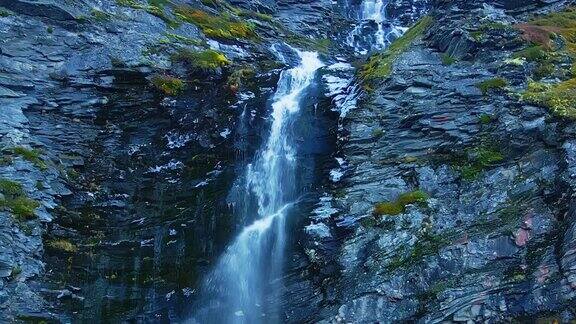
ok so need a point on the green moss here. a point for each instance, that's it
(479, 159)
(447, 59)
(100, 15)
(10, 188)
(31, 155)
(50, 30)
(534, 53)
(62, 245)
(561, 19)
(22, 207)
(184, 40)
(208, 59)
(485, 119)
(5, 12)
(477, 35)
(559, 98)
(168, 85)
(379, 66)
(154, 7)
(239, 77)
(222, 26)
(492, 84)
(399, 205)
(494, 25)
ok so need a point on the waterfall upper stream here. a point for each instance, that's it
(242, 276)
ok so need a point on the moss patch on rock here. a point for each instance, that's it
(168, 85)
(62, 245)
(379, 66)
(16, 200)
(207, 60)
(222, 26)
(398, 206)
(31, 155)
(492, 85)
(559, 98)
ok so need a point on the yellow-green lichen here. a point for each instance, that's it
(398, 206)
(560, 98)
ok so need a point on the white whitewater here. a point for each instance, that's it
(240, 282)
(373, 12)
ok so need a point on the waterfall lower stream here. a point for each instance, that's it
(241, 280)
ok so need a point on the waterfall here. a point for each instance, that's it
(373, 31)
(240, 283)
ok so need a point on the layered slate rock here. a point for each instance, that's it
(493, 241)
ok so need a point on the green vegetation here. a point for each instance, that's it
(447, 59)
(100, 15)
(62, 245)
(168, 85)
(154, 7)
(239, 77)
(15, 199)
(535, 53)
(479, 159)
(477, 35)
(485, 119)
(5, 12)
(492, 84)
(50, 30)
(222, 26)
(379, 66)
(31, 155)
(10, 188)
(208, 59)
(560, 98)
(399, 205)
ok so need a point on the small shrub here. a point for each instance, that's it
(4, 12)
(168, 85)
(399, 205)
(492, 84)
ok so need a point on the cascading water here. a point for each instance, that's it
(373, 31)
(241, 281)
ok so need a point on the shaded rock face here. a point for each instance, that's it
(134, 187)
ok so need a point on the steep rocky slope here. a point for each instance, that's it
(463, 188)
